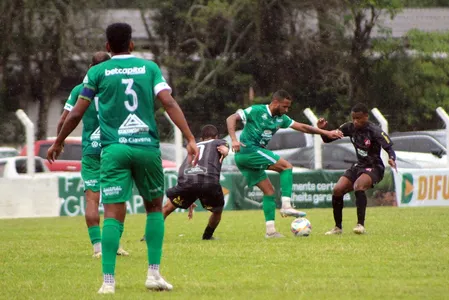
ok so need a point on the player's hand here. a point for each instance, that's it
(321, 123)
(191, 208)
(192, 153)
(236, 146)
(335, 134)
(392, 164)
(54, 152)
(223, 151)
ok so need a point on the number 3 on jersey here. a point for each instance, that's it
(129, 91)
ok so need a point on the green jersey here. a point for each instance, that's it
(260, 126)
(127, 87)
(91, 127)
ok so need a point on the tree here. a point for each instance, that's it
(41, 38)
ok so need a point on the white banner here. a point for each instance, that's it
(422, 187)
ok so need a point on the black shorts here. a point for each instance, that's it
(210, 195)
(376, 173)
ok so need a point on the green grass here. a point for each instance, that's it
(404, 255)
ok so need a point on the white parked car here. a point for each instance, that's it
(16, 166)
(8, 152)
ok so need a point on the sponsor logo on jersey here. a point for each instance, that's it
(125, 71)
(95, 136)
(195, 170)
(362, 152)
(132, 125)
(95, 144)
(123, 140)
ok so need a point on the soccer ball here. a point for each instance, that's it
(301, 227)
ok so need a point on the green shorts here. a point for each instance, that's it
(253, 164)
(121, 164)
(90, 172)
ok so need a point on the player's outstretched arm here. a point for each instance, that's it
(70, 123)
(231, 123)
(177, 116)
(333, 134)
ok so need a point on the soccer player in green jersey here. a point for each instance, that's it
(127, 87)
(261, 122)
(90, 162)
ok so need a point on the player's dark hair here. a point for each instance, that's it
(360, 107)
(209, 132)
(100, 57)
(119, 36)
(281, 95)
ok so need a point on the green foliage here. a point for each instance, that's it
(413, 79)
(426, 3)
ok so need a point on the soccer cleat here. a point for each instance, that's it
(143, 239)
(157, 283)
(212, 238)
(97, 255)
(273, 235)
(291, 212)
(122, 252)
(107, 289)
(334, 230)
(359, 229)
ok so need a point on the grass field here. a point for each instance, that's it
(404, 255)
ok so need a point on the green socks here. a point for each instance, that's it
(94, 234)
(109, 244)
(286, 178)
(154, 234)
(269, 207)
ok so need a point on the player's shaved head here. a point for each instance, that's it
(100, 57)
(209, 132)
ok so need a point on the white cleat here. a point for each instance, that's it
(107, 289)
(334, 230)
(157, 283)
(291, 212)
(97, 255)
(273, 235)
(122, 252)
(359, 229)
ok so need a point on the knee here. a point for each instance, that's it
(338, 191)
(288, 166)
(360, 186)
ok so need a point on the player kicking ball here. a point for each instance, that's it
(201, 182)
(261, 122)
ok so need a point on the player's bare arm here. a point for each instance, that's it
(61, 121)
(231, 123)
(333, 134)
(177, 116)
(70, 123)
